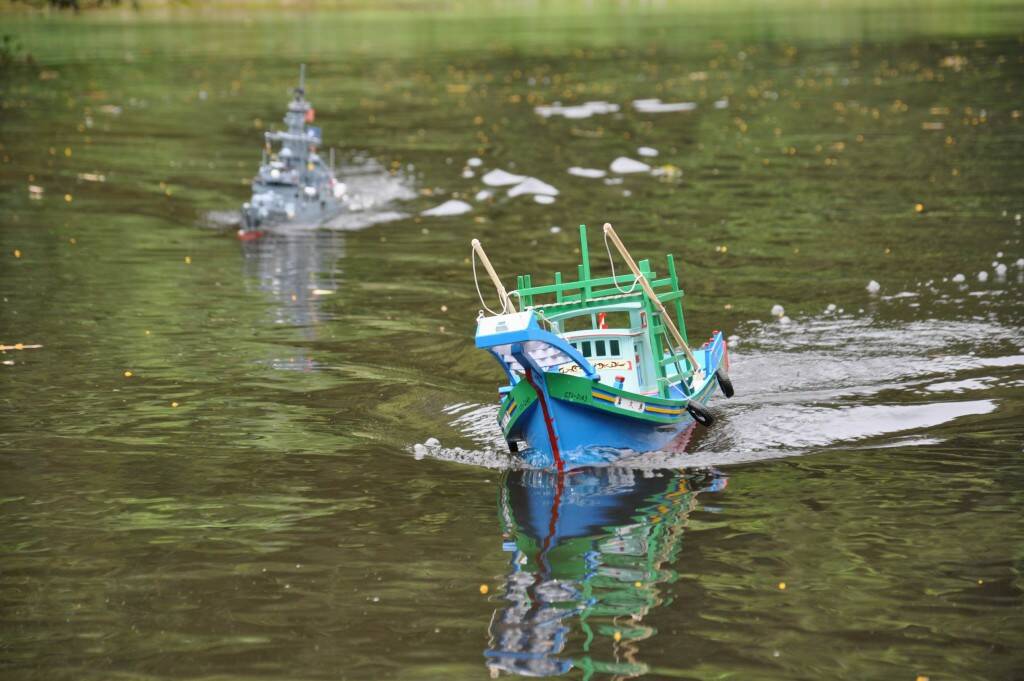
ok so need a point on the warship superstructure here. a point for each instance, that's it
(294, 184)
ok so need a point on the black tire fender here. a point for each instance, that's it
(724, 382)
(700, 414)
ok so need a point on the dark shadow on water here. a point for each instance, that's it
(592, 552)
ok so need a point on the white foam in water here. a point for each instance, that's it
(372, 194)
(501, 178)
(647, 151)
(778, 310)
(532, 185)
(1000, 270)
(450, 207)
(623, 165)
(544, 199)
(722, 103)
(1020, 263)
(873, 286)
(658, 106)
(474, 162)
(585, 110)
(983, 276)
(587, 172)
(483, 195)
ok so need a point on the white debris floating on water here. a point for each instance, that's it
(545, 199)
(778, 310)
(467, 173)
(587, 172)
(483, 195)
(585, 110)
(532, 185)
(623, 165)
(649, 152)
(474, 162)
(873, 286)
(959, 278)
(983, 276)
(658, 106)
(1000, 270)
(1020, 263)
(722, 103)
(452, 207)
(501, 178)
(831, 308)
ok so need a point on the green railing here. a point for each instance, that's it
(592, 293)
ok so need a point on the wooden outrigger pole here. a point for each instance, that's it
(665, 317)
(506, 302)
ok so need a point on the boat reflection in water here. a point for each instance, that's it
(299, 271)
(592, 551)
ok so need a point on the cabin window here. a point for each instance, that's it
(586, 348)
(599, 349)
(613, 348)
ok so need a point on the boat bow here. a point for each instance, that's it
(518, 342)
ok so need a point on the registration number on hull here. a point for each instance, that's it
(631, 405)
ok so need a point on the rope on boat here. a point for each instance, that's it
(611, 261)
(506, 304)
(666, 318)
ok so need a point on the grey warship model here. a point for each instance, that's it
(294, 185)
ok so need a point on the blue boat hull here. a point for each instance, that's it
(580, 435)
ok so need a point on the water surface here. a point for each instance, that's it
(247, 502)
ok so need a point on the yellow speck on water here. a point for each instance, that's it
(174, 405)
(294, 297)
(922, 677)
(617, 636)
(147, 332)
(918, 207)
(981, 581)
(484, 588)
(782, 586)
(19, 346)
(727, 306)
(67, 151)
(17, 253)
(444, 308)
(68, 198)
(188, 259)
(128, 374)
(72, 241)
(638, 584)
(796, 251)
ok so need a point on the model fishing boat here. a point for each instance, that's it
(294, 184)
(598, 368)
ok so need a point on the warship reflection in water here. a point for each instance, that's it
(293, 184)
(592, 549)
(299, 272)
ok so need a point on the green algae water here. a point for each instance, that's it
(278, 458)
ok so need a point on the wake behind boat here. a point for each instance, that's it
(597, 368)
(293, 184)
